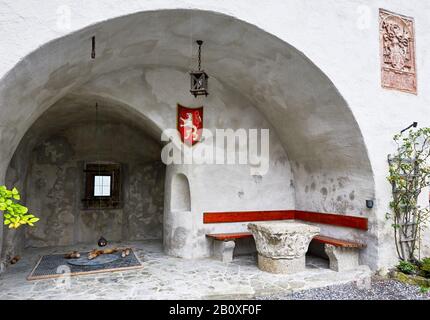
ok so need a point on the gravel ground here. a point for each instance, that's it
(379, 290)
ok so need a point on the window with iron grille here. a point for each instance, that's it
(102, 186)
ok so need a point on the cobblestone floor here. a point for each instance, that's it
(165, 277)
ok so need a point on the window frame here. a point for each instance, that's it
(90, 201)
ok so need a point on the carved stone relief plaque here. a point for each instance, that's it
(397, 41)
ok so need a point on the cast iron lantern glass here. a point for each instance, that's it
(199, 83)
(199, 78)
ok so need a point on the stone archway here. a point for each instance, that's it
(51, 166)
(318, 156)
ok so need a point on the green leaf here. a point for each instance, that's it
(15, 214)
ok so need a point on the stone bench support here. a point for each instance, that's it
(223, 250)
(342, 258)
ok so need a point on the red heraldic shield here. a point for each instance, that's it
(190, 124)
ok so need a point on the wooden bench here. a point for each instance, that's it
(343, 254)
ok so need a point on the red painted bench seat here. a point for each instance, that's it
(229, 236)
(320, 238)
(338, 242)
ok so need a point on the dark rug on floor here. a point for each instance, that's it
(55, 265)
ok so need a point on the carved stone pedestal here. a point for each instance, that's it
(282, 245)
(281, 265)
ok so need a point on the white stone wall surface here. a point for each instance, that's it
(309, 70)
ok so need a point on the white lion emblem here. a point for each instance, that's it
(190, 128)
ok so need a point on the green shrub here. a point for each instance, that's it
(406, 267)
(15, 214)
(424, 289)
(425, 267)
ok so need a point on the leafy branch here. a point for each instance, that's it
(15, 214)
(409, 174)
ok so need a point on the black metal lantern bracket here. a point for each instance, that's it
(199, 78)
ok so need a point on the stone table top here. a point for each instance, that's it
(283, 226)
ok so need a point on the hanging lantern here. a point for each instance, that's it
(199, 78)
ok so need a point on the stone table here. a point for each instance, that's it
(282, 245)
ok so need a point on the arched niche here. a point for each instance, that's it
(180, 193)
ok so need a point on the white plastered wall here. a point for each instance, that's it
(341, 38)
